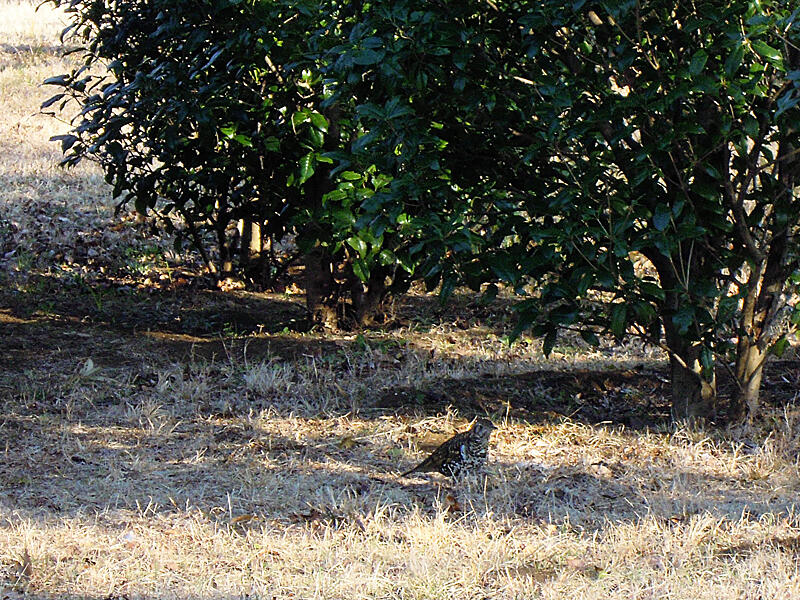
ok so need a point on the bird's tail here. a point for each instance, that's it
(409, 472)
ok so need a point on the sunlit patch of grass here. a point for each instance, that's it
(233, 476)
(26, 23)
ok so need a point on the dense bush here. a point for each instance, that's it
(213, 111)
(430, 90)
(668, 132)
(631, 167)
(183, 117)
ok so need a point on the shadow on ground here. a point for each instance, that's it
(56, 321)
(73, 456)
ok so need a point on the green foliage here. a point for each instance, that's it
(208, 110)
(627, 167)
(660, 133)
(422, 85)
(630, 167)
(215, 112)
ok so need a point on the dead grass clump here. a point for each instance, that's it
(156, 493)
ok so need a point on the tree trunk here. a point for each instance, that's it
(766, 308)
(226, 246)
(762, 324)
(250, 247)
(750, 360)
(694, 396)
(368, 298)
(321, 291)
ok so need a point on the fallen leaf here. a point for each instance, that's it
(452, 504)
(584, 567)
(576, 564)
(601, 469)
(242, 519)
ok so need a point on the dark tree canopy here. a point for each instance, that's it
(668, 132)
(631, 167)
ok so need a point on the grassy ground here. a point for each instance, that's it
(160, 439)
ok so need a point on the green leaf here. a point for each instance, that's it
(771, 54)
(712, 171)
(585, 282)
(50, 101)
(368, 56)
(619, 314)
(734, 60)
(272, 144)
(698, 62)
(504, 267)
(306, 167)
(707, 360)
(67, 141)
(750, 126)
(300, 117)
(644, 312)
(779, 347)
(653, 290)
(786, 102)
(361, 270)
(590, 337)
(61, 80)
(387, 257)
(549, 342)
(662, 217)
(213, 59)
(316, 136)
(358, 245)
(320, 122)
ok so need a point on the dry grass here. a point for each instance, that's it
(264, 465)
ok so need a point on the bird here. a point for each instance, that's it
(465, 451)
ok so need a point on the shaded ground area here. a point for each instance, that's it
(55, 321)
(144, 411)
(637, 397)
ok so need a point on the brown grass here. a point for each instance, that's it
(156, 443)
